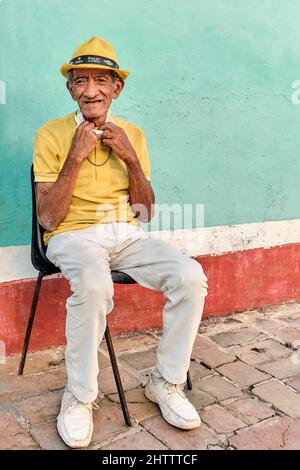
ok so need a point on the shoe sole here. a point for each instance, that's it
(185, 428)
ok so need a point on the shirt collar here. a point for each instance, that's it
(79, 118)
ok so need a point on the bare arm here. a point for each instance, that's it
(53, 199)
(141, 195)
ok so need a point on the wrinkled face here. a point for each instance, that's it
(94, 90)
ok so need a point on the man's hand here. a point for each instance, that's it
(83, 142)
(116, 138)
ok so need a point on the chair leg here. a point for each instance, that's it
(30, 321)
(117, 376)
(189, 381)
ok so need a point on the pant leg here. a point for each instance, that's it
(157, 265)
(86, 266)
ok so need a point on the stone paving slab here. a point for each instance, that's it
(12, 435)
(47, 437)
(281, 368)
(221, 420)
(108, 386)
(280, 396)
(13, 386)
(219, 387)
(133, 342)
(139, 441)
(291, 320)
(198, 371)
(241, 336)
(242, 373)
(251, 410)
(177, 439)
(246, 388)
(138, 360)
(264, 324)
(278, 433)
(260, 351)
(211, 354)
(288, 335)
(139, 406)
(45, 408)
(199, 398)
(108, 423)
(295, 383)
(36, 361)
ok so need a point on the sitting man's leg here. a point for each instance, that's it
(157, 265)
(85, 264)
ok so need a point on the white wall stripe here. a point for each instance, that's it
(15, 263)
(15, 260)
(232, 238)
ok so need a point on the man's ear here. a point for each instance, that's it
(70, 88)
(119, 85)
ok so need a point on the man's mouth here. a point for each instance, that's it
(92, 101)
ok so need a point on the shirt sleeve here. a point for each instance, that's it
(144, 157)
(45, 160)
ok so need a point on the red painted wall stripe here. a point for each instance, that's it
(237, 281)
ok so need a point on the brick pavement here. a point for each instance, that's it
(246, 375)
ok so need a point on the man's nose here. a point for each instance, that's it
(91, 89)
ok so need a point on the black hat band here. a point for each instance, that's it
(94, 59)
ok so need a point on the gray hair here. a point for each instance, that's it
(70, 76)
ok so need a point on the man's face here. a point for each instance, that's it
(94, 90)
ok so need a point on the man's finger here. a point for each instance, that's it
(106, 142)
(107, 134)
(108, 125)
(85, 124)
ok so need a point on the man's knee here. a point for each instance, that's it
(93, 286)
(192, 278)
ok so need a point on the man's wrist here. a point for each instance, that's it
(75, 158)
(130, 158)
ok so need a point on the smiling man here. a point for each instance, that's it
(92, 176)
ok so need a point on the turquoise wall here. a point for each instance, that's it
(211, 86)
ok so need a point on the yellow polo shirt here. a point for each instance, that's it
(101, 193)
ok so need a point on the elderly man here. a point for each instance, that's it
(92, 177)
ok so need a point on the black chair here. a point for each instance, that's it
(46, 268)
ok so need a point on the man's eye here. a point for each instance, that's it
(80, 81)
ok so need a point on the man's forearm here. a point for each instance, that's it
(140, 192)
(55, 203)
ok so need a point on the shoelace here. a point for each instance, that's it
(176, 388)
(73, 403)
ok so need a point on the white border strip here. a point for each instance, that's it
(232, 238)
(16, 263)
(15, 260)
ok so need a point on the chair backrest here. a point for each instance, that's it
(38, 248)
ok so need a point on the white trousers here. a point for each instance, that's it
(86, 258)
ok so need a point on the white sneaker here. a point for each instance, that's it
(174, 405)
(75, 421)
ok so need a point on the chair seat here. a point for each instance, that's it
(122, 278)
(117, 276)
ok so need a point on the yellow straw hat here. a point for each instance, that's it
(96, 54)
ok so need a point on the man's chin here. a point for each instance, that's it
(93, 114)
